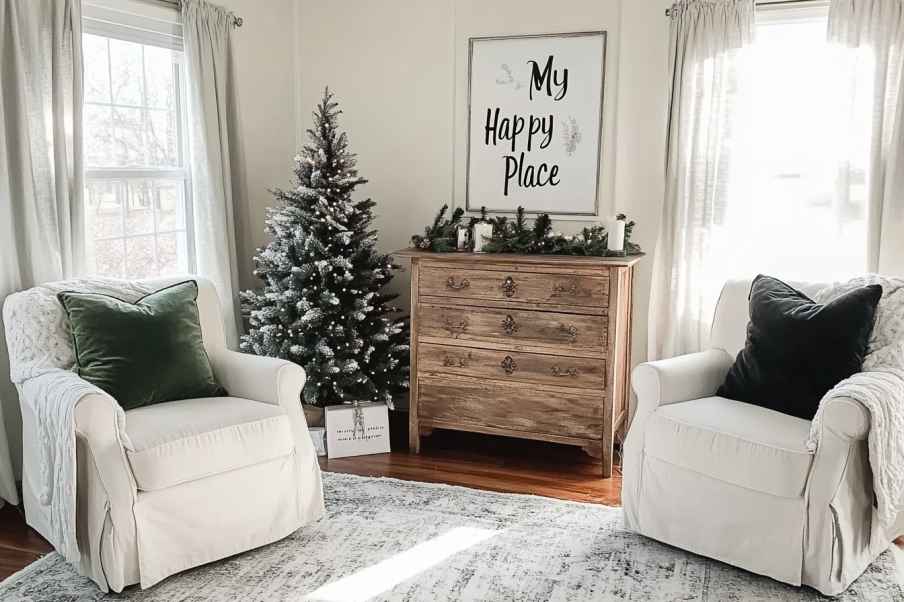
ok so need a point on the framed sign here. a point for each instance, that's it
(535, 112)
(357, 430)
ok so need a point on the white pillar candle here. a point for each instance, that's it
(483, 232)
(616, 228)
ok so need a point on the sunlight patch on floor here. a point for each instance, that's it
(386, 574)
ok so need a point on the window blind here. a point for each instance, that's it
(134, 21)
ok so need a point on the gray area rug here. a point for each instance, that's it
(385, 539)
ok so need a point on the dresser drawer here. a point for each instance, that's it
(525, 409)
(536, 368)
(533, 287)
(570, 332)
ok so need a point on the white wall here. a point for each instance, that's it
(391, 67)
(398, 69)
(641, 131)
(264, 53)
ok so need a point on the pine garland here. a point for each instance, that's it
(517, 236)
(321, 304)
(442, 235)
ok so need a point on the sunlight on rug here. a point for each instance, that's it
(383, 576)
(384, 539)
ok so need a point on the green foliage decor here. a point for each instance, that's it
(518, 236)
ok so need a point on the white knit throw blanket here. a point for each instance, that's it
(880, 388)
(42, 360)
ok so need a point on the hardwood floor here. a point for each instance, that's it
(493, 463)
(20, 545)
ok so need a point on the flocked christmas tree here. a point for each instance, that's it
(321, 305)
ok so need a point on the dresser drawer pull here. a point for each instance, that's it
(450, 283)
(509, 286)
(556, 371)
(569, 330)
(509, 325)
(455, 328)
(508, 364)
(456, 362)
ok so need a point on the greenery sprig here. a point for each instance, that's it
(516, 235)
(442, 235)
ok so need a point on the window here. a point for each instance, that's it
(796, 206)
(137, 191)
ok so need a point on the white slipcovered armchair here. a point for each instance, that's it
(198, 479)
(736, 482)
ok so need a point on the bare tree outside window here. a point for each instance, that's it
(137, 192)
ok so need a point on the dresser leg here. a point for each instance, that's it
(598, 452)
(414, 436)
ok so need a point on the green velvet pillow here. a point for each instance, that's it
(145, 352)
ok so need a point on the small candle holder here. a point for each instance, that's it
(463, 239)
(483, 232)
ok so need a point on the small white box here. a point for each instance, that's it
(318, 437)
(357, 431)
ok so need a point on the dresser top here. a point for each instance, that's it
(512, 257)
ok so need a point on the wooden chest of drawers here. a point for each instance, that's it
(523, 346)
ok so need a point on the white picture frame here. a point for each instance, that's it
(346, 436)
(551, 87)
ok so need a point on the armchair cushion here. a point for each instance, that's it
(798, 349)
(181, 441)
(735, 442)
(145, 352)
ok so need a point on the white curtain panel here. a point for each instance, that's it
(870, 36)
(41, 182)
(707, 38)
(207, 31)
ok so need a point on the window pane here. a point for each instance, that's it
(128, 144)
(159, 64)
(127, 72)
(99, 147)
(103, 204)
(172, 253)
(97, 74)
(108, 257)
(140, 208)
(140, 261)
(162, 139)
(170, 205)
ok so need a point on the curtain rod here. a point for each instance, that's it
(668, 11)
(236, 20)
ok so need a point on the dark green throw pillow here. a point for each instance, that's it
(145, 352)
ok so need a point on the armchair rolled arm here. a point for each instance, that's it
(267, 379)
(97, 424)
(680, 378)
(846, 417)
